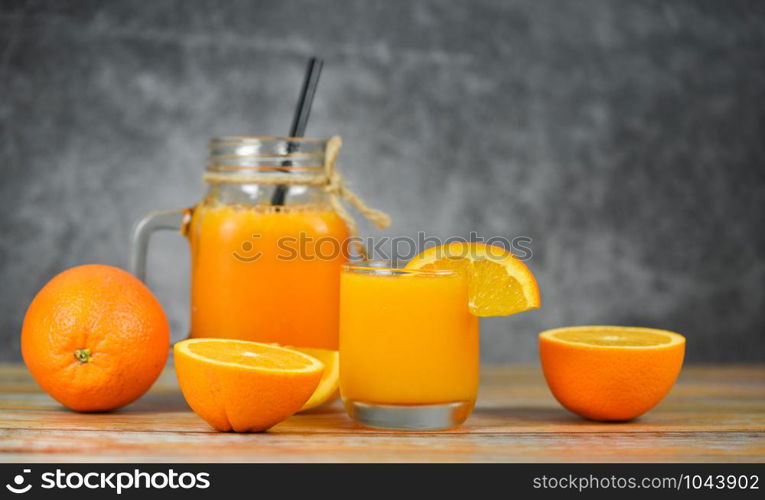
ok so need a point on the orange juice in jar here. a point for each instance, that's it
(252, 280)
(265, 256)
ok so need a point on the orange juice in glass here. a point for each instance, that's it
(260, 271)
(409, 355)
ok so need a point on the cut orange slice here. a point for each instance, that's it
(244, 386)
(499, 283)
(329, 385)
(610, 372)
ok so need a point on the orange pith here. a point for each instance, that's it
(613, 338)
(250, 355)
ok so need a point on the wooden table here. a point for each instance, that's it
(714, 413)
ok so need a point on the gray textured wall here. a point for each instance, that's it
(625, 138)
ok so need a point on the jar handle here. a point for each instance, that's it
(161, 220)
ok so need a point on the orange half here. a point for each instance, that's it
(244, 386)
(610, 372)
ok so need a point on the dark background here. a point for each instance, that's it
(624, 138)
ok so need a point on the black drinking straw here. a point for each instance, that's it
(300, 119)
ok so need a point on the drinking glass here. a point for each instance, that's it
(408, 347)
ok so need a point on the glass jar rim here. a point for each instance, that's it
(267, 138)
(231, 154)
(390, 268)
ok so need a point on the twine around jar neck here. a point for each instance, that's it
(331, 181)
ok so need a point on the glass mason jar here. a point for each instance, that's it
(265, 256)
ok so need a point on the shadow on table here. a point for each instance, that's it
(525, 416)
(167, 402)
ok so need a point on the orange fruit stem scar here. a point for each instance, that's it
(82, 355)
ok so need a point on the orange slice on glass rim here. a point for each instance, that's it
(499, 283)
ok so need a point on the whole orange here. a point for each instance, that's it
(95, 338)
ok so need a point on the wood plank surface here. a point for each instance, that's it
(714, 413)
